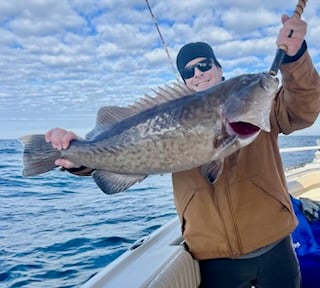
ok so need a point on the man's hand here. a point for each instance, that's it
(60, 139)
(297, 28)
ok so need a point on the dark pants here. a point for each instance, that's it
(278, 268)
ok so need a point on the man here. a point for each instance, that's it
(239, 228)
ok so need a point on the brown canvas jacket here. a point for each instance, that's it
(249, 206)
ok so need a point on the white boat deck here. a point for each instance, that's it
(305, 181)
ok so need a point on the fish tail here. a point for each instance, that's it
(38, 155)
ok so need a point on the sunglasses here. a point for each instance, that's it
(203, 66)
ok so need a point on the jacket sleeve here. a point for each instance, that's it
(297, 103)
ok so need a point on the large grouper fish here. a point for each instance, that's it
(175, 130)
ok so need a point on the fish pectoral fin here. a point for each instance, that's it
(111, 183)
(212, 170)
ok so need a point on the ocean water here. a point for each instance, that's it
(57, 230)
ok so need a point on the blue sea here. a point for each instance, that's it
(57, 230)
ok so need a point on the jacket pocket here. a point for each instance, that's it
(275, 189)
(202, 226)
(262, 212)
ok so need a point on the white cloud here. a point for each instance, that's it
(64, 60)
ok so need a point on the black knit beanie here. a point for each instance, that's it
(194, 50)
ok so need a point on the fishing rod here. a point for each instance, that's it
(154, 19)
(283, 48)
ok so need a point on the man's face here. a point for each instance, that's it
(203, 80)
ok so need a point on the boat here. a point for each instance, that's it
(160, 260)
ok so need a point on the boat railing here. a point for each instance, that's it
(316, 157)
(297, 149)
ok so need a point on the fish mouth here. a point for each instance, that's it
(242, 129)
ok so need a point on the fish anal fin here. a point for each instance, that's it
(112, 183)
(212, 170)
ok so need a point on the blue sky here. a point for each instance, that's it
(62, 60)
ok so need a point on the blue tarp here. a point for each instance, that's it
(306, 241)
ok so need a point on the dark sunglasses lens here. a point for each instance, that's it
(203, 66)
(188, 72)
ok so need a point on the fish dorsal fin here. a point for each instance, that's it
(108, 116)
(113, 114)
(162, 95)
